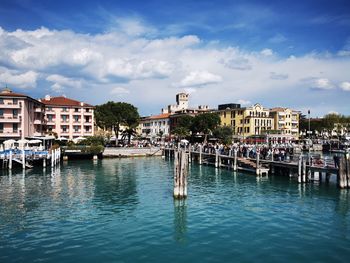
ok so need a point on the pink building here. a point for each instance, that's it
(68, 118)
(20, 116)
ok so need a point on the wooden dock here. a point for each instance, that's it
(303, 168)
(28, 159)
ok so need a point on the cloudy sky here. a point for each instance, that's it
(277, 53)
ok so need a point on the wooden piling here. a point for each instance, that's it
(200, 154)
(300, 162)
(235, 160)
(23, 159)
(257, 163)
(10, 160)
(180, 174)
(304, 171)
(342, 173)
(216, 159)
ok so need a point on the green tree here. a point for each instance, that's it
(181, 132)
(224, 134)
(112, 115)
(205, 123)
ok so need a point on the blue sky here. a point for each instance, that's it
(277, 53)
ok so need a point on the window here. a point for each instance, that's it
(87, 119)
(87, 129)
(49, 108)
(15, 113)
(50, 117)
(1, 127)
(15, 101)
(1, 113)
(65, 109)
(224, 114)
(87, 110)
(76, 118)
(15, 127)
(1, 101)
(64, 118)
(64, 128)
(76, 110)
(76, 128)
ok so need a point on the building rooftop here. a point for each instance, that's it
(9, 93)
(63, 101)
(160, 116)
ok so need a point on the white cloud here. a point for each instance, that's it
(244, 102)
(277, 39)
(345, 86)
(119, 90)
(278, 76)
(89, 67)
(200, 78)
(266, 52)
(62, 81)
(322, 84)
(21, 80)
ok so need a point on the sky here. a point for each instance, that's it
(292, 54)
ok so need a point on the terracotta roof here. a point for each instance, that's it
(160, 116)
(278, 109)
(63, 101)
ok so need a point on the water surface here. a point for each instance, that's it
(122, 210)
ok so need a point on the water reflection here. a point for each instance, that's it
(116, 186)
(180, 220)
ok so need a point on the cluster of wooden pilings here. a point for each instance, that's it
(304, 168)
(344, 172)
(180, 174)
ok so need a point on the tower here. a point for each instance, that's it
(182, 100)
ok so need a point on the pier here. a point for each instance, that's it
(304, 168)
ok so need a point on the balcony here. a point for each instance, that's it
(8, 119)
(9, 133)
(281, 114)
(295, 121)
(38, 121)
(88, 113)
(87, 123)
(281, 122)
(10, 105)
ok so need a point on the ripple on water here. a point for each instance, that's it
(123, 210)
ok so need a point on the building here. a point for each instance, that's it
(153, 126)
(68, 118)
(247, 121)
(181, 104)
(20, 116)
(286, 121)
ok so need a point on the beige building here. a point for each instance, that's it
(20, 116)
(286, 121)
(68, 118)
(247, 121)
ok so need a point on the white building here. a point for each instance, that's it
(181, 104)
(153, 126)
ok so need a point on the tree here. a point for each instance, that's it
(112, 115)
(181, 132)
(205, 123)
(224, 134)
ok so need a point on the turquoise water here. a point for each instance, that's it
(122, 210)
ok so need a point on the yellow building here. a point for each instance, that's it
(247, 121)
(286, 121)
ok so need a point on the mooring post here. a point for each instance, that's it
(180, 174)
(189, 153)
(229, 159)
(235, 160)
(52, 158)
(44, 161)
(347, 160)
(10, 160)
(341, 177)
(304, 171)
(257, 163)
(328, 175)
(300, 162)
(23, 159)
(200, 154)
(216, 158)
